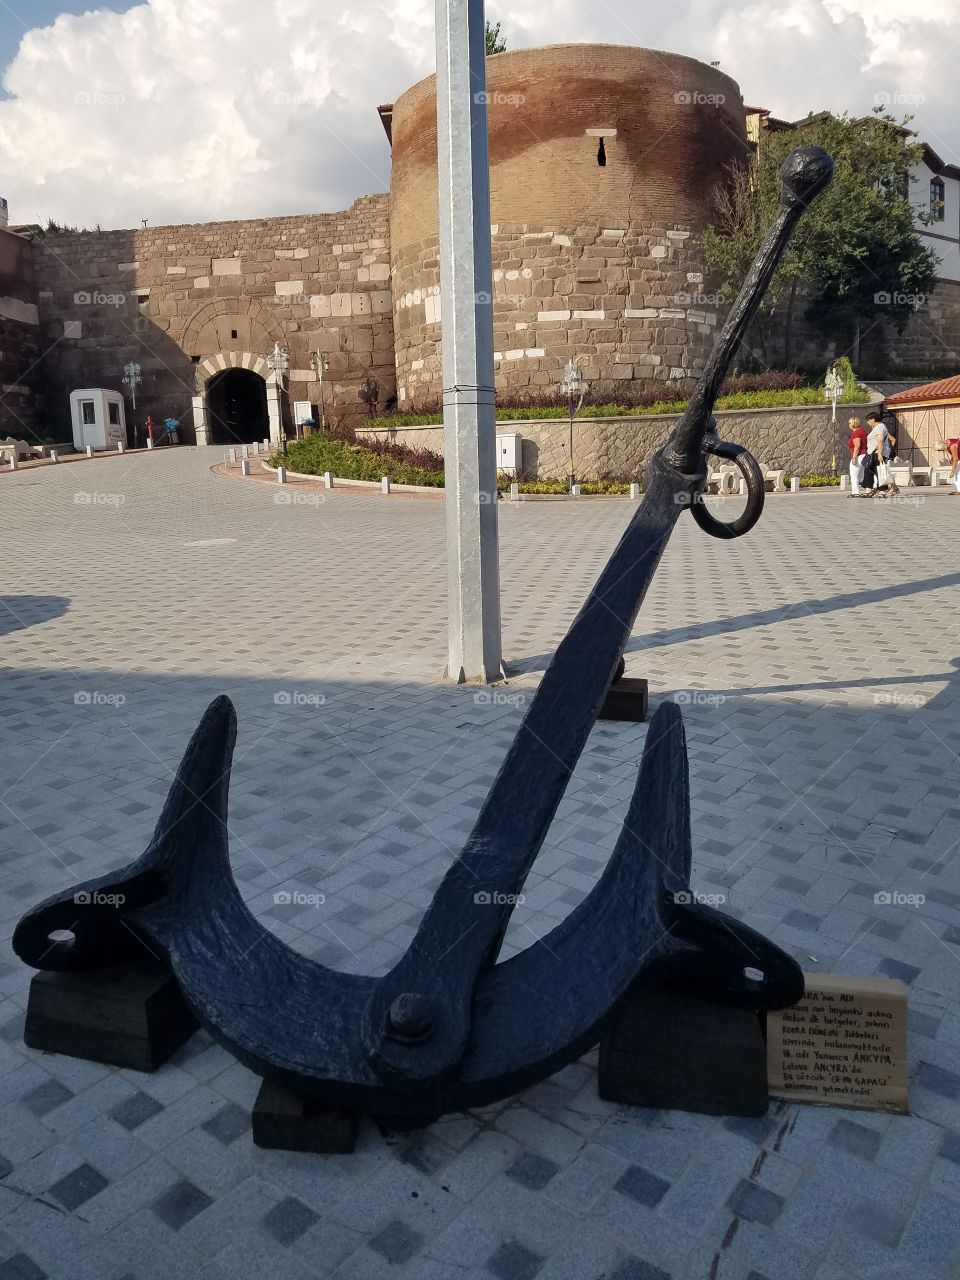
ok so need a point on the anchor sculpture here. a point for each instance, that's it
(448, 1027)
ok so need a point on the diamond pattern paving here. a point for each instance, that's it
(821, 704)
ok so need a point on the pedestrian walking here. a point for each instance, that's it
(881, 446)
(857, 444)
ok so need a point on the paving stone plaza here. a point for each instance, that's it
(817, 664)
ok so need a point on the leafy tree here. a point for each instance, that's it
(496, 43)
(857, 257)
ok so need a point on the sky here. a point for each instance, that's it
(191, 110)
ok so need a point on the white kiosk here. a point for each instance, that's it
(98, 418)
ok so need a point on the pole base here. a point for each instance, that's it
(671, 1051)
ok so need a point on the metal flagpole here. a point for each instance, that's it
(469, 413)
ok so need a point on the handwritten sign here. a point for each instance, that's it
(844, 1043)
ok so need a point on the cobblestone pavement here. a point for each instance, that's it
(818, 663)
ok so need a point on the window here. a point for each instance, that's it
(88, 413)
(113, 409)
(938, 197)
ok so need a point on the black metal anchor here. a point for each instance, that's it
(448, 1027)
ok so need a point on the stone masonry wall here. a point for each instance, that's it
(802, 441)
(20, 404)
(628, 301)
(604, 165)
(167, 297)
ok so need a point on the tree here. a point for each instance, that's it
(496, 43)
(857, 257)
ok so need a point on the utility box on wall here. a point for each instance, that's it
(98, 418)
(509, 453)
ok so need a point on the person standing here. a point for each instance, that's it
(881, 446)
(857, 444)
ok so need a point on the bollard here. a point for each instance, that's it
(233, 455)
(245, 451)
(742, 487)
(514, 493)
(844, 483)
(245, 467)
(574, 491)
(281, 475)
(14, 461)
(149, 442)
(794, 484)
(89, 450)
(934, 479)
(328, 479)
(634, 492)
(266, 446)
(54, 456)
(384, 484)
(121, 447)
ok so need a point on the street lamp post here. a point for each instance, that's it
(320, 364)
(466, 288)
(572, 387)
(132, 377)
(279, 362)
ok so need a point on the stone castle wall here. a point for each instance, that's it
(802, 441)
(20, 403)
(169, 297)
(589, 260)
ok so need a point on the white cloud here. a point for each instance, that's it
(184, 110)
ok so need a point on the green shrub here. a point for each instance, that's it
(855, 393)
(321, 452)
(819, 482)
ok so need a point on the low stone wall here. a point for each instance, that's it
(802, 440)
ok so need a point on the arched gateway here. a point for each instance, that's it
(237, 400)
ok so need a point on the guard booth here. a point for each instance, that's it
(98, 418)
(927, 416)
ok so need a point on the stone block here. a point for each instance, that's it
(226, 267)
(127, 1016)
(671, 1051)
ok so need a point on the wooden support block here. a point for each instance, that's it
(286, 1121)
(127, 1016)
(671, 1051)
(627, 700)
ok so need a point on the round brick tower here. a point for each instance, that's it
(604, 163)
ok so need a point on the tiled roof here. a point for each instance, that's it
(945, 389)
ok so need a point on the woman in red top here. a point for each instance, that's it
(857, 444)
(952, 449)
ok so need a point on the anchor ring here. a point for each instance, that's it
(749, 468)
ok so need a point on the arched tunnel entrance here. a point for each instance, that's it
(237, 408)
